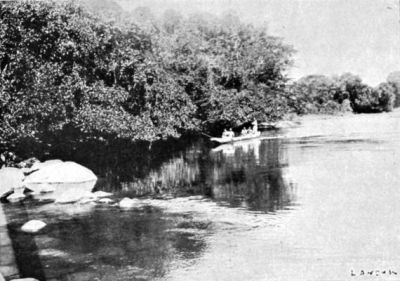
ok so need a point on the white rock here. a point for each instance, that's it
(33, 226)
(60, 172)
(106, 201)
(69, 181)
(101, 194)
(127, 203)
(16, 197)
(10, 178)
(40, 165)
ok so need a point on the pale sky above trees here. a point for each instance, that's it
(331, 36)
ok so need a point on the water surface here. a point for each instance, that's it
(320, 202)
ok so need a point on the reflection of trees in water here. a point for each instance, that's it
(136, 167)
(247, 173)
(177, 175)
(108, 242)
(252, 176)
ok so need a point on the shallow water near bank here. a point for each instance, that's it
(319, 202)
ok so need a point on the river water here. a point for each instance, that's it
(320, 201)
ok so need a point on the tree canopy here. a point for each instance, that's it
(67, 73)
(66, 69)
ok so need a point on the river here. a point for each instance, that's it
(320, 201)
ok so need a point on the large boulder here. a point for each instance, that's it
(69, 180)
(11, 178)
(37, 165)
(16, 197)
(40, 165)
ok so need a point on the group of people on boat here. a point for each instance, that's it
(245, 131)
(228, 134)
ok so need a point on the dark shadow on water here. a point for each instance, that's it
(106, 243)
(24, 245)
(247, 174)
(251, 175)
(103, 243)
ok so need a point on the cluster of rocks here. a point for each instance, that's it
(61, 182)
(65, 181)
(35, 226)
(101, 197)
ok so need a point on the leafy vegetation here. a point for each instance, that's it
(68, 75)
(321, 94)
(394, 80)
(67, 72)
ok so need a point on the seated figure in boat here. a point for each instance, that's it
(244, 132)
(255, 126)
(228, 134)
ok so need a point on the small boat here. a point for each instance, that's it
(245, 145)
(230, 139)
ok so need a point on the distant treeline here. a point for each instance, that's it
(68, 74)
(347, 92)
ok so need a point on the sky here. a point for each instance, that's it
(330, 36)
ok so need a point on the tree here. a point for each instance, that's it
(69, 74)
(65, 69)
(314, 94)
(385, 93)
(365, 99)
(232, 73)
(394, 79)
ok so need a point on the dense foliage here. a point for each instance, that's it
(232, 72)
(63, 69)
(68, 75)
(394, 80)
(321, 94)
(67, 72)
